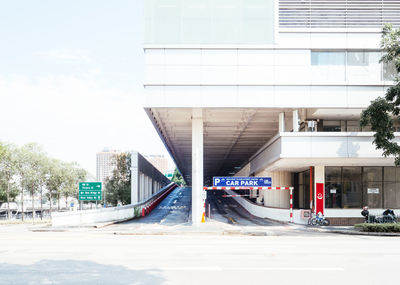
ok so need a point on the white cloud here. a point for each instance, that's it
(73, 117)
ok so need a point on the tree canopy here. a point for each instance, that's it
(118, 186)
(28, 169)
(177, 178)
(383, 113)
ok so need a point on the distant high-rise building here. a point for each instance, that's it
(159, 161)
(105, 164)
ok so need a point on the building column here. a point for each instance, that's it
(296, 121)
(134, 178)
(197, 166)
(319, 187)
(281, 122)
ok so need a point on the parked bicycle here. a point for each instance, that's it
(319, 220)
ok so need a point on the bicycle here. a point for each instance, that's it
(321, 221)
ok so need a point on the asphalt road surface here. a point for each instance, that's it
(90, 257)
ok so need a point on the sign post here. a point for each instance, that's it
(90, 191)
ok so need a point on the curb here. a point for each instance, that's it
(357, 233)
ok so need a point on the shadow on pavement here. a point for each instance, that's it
(75, 272)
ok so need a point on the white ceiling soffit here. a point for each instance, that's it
(231, 136)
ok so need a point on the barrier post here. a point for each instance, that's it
(291, 204)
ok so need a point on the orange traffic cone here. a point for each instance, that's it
(203, 220)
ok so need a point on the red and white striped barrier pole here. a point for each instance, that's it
(291, 204)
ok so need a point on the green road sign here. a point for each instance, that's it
(90, 191)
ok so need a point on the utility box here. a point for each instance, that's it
(305, 214)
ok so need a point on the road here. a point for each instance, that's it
(83, 256)
(175, 209)
(226, 209)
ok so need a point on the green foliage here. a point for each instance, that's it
(177, 178)
(382, 112)
(29, 169)
(118, 186)
(381, 228)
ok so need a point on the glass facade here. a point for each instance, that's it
(350, 66)
(209, 21)
(354, 187)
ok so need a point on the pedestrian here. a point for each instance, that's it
(365, 213)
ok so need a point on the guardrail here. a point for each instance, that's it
(112, 214)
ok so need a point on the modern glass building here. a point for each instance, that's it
(273, 88)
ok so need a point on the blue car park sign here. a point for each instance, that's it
(242, 181)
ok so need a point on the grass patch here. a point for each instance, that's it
(379, 228)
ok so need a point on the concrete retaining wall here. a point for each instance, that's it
(76, 218)
(277, 214)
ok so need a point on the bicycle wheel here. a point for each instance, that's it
(313, 222)
(326, 222)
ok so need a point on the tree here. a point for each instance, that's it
(72, 176)
(383, 112)
(54, 179)
(8, 171)
(177, 178)
(118, 186)
(32, 158)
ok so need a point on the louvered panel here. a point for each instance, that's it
(338, 13)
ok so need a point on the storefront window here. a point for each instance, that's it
(352, 187)
(391, 187)
(372, 174)
(333, 195)
(333, 187)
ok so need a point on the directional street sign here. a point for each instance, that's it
(90, 191)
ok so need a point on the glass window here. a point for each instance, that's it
(328, 66)
(333, 195)
(327, 58)
(372, 194)
(333, 174)
(372, 174)
(352, 194)
(352, 173)
(391, 195)
(389, 174)
(362, 66)
(389, 71)
(210, 22)
(331, 126)
(353, 126)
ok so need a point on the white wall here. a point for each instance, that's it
(310, 147)
(282, 215)
(276, 198)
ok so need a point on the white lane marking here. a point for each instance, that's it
(218, 268)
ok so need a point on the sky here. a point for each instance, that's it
(71, 76)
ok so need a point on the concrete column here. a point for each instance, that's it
(281, 122)
(134, 178)
(197, 166)
(296, 121)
